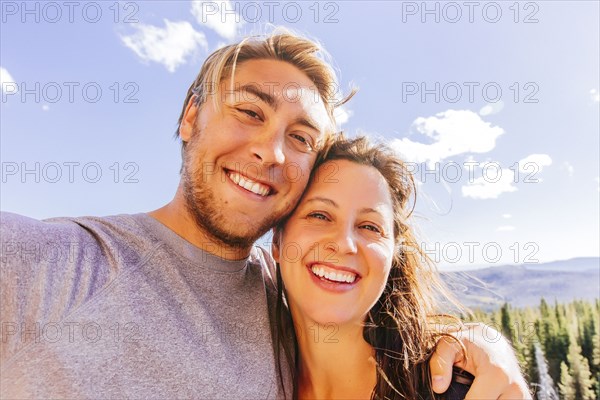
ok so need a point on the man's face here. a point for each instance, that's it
(247, 164)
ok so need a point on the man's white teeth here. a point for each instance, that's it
(248, 184)
(344, 277)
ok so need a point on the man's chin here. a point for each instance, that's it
(240, 234)
(226, 224)
(244, 232)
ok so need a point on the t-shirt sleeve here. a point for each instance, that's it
(47, 268)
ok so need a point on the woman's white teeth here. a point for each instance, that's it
(345, 277)
(254, 187)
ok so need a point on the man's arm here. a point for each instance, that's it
(493, 363)
(47, 269)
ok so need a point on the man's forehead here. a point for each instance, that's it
(273, 93)
(311, 102)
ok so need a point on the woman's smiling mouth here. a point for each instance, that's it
(333, 277)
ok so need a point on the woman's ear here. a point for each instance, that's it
(186, 128)
(275, 245)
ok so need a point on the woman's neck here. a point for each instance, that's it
(335, 361)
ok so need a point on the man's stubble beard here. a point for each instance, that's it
(202, 205)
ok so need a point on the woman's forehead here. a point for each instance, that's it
(349, 182)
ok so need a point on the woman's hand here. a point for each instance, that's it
(490, 358)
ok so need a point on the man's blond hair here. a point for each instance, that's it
(306, 55)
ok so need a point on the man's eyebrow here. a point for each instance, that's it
(256, 91)
(307, 122)
(274, 104)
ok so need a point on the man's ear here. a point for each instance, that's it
(275, 244)
(186, 128)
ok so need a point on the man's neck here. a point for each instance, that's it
(335, 361)
(176, 217)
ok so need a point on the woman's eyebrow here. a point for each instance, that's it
(323, 200)
(369, 210)
(364, 210)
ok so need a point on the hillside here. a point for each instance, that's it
(524, 285)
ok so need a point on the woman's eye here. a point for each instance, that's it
(371, 227)
(318, 215)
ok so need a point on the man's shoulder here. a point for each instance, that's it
(20, 226)
(15, 227)
(67, 259)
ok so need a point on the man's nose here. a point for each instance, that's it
(267, 147)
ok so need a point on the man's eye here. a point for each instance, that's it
(250, 113)
(301, 140)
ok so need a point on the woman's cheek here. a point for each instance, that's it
(382, 255)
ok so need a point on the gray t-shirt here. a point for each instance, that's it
(122, 307)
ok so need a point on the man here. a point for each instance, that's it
(174, 303)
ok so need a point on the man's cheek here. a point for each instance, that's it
(296, 173)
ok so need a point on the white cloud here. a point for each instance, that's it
(342, 115)
(7, 83)
(219, 16)
(597, 179)
(486, 187)
(45, 107)
(452, 132)
(539, 160)
(491, 108)
(220, 45)
(505, 228)
(506, 216)
(595, 95)
(170, 46)
(567, 166)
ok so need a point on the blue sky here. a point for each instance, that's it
(494, 104)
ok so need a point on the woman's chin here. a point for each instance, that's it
(330, 319)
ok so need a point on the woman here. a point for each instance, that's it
(360, 296)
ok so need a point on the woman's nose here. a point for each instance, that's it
(343, 241)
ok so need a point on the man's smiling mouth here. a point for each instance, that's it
(249, 184)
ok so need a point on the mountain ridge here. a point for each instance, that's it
(524, 285)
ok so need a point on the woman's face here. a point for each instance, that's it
(336, 249)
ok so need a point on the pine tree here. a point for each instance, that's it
(532, 371)
(555, 339)
(522, 332)
(595, 364)
(569, 335)
(507, 323)
(566, 384)
(544, 309)
(596, 352)
(556, 344)
(587, 331)
(579, 384)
